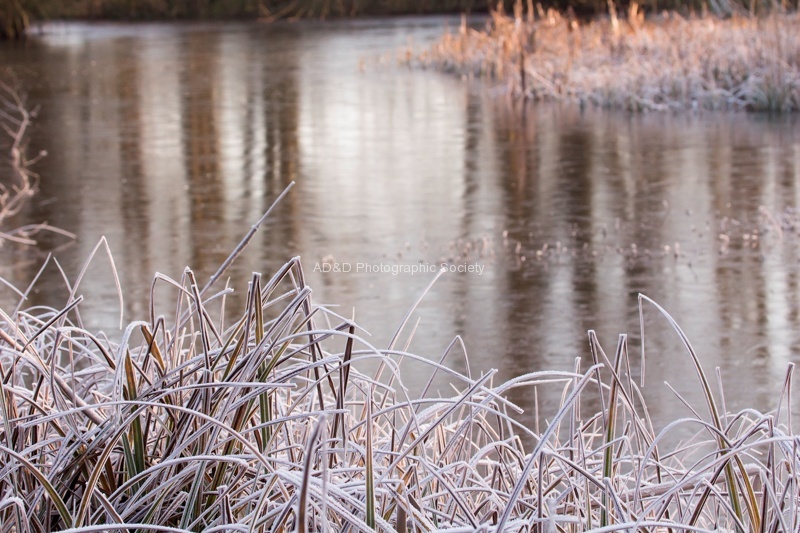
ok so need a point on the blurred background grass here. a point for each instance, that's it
(16, 15)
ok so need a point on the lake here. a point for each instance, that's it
(171, 140)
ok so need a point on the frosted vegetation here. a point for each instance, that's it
(258, 419)
(662, 62)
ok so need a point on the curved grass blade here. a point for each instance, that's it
(733, 492)
(302, 501)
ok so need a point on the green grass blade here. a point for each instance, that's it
(369, 477)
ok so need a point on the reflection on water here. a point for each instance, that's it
(171, 140)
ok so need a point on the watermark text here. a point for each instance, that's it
(410, 269)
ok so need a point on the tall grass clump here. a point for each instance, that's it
(662, 62)
(259, 419)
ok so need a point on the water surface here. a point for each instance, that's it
(171, 139)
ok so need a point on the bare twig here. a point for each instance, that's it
(21, 183)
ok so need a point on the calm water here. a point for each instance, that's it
(171, 140)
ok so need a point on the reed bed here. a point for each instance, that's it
(260, 420)
(659, 63)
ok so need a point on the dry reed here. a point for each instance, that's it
(659, 63)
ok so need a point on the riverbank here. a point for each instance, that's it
(16, 17)
(667, 62)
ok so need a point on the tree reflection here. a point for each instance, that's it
(173, 140)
